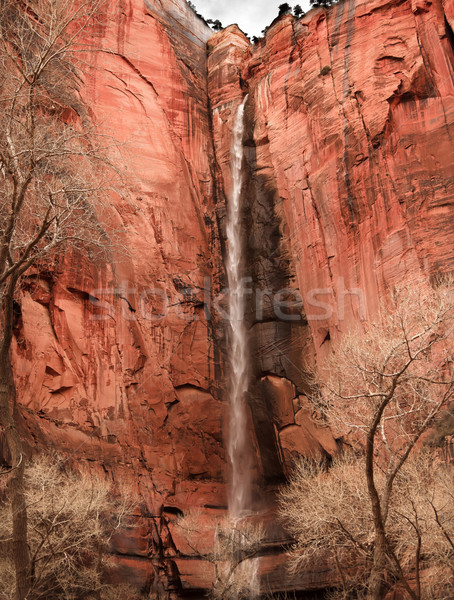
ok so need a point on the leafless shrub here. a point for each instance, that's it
(236, 546)
(328, 513)
(382, 389)
(71, 519)
(421, 525)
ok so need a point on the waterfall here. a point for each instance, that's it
(239, 447)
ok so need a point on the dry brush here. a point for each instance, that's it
(383, 513)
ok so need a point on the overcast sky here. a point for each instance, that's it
(251, 15)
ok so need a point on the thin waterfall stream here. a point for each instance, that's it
(238, 356)
(239, 448)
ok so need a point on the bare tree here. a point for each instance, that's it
(328, 513)
(50, 165)
(72, 518)
(235, 559)
(382, 390)
(423, 519)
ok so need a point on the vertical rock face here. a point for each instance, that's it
(349, 189)
(351, 114)
(116, 364)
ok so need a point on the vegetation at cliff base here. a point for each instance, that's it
(236, 543)
(71, 519)
(383, 512)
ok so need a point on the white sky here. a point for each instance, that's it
(251, 15)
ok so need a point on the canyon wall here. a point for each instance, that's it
(349, 188)
(116, 364)
(350, 123)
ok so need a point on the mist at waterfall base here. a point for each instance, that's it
(239, 450)
(251, 16)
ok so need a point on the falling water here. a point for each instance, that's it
(238, 447)
(239, 496)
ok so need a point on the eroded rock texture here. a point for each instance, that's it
(350, 118)
(349, 187)
(116, 364)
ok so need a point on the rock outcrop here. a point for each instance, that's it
(349, 190)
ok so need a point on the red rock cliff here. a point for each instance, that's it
(349, 186)
(116, 364)
(350, 123)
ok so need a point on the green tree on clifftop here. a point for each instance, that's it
(298, 11)
(284, 9)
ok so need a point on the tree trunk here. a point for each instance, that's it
(376, 578)
(15, 485)
(376, 583)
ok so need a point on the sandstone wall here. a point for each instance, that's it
(349, 191)
(350, 122)
(349, 186)
(101, 375)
